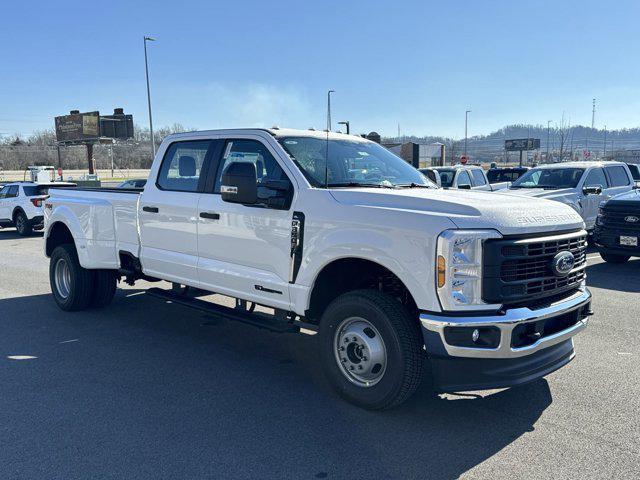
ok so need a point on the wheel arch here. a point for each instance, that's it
(346, 274)
(58, 234)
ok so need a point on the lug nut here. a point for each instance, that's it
(364, 359)
(359, 367)
(355, 339)
(344, 359)
(350, 367)
(341, 348)
(346, 340)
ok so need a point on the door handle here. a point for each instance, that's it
(210, 215)
(150, 209)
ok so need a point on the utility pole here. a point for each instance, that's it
(146, 69)
(548, 132)
(399, 133)
(329, 109)
(604, 147)
(466, 121)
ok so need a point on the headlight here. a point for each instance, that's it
(459, 269)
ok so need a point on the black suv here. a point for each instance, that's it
(617, 231)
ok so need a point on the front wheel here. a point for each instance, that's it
(613, 258)
(23, 226)
(371, 349)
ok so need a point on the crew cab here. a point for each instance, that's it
(21, 205)
(466, 177)
(334, 234)
(581, 185)
(617, 231)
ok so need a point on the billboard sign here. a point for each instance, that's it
(77, 127)
(522, 144)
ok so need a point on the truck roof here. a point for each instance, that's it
(274, 131)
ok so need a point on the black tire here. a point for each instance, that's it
(22, 223)
(402, 339)
(104, 288)
(78, 284)
(614, 258)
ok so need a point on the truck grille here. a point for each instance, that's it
(520, 270)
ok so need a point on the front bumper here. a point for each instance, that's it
(468, 368)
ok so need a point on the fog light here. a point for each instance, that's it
(475, 335)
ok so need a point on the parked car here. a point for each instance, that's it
(505, 174)
(617, 231)
(133, 183)
(393, 273)
(466, 177)
(21, 205)
(581, 185)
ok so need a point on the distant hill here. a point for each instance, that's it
(490, 147)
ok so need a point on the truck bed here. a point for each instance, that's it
(105, 222)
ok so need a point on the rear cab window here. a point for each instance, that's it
(478, 177)
(618, 176)
(463, 178)
(183, 165)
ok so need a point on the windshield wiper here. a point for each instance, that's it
(413, 185)
(357, 184)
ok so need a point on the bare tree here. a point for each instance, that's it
(562, 131)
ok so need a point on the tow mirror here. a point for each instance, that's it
(592, 190)
(240, 183)
(465, 186)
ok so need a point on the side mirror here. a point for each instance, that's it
(592, 190)
(465, 186)
(636, 184)
(240, 183)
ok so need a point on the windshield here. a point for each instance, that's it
(549, 178)
(351, 163)
(446, 177)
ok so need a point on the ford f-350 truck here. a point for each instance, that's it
(397, 276)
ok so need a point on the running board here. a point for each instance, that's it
(257, 319)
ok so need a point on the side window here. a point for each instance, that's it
(257, 153)
(463, 178)
(618, 176)
(13, 191)
(182, 166)
(4, 192)
(596, 177)
(478, 177)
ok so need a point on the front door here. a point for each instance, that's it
(168, 213)
(591, 202)
(244, 250)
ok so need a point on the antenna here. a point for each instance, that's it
(326, 159)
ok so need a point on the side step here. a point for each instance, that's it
(257, 319)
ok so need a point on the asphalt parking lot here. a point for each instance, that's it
(143, 389)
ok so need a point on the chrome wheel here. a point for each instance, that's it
(360, 351)
(62, 276)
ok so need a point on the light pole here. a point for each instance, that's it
(466, 120)
(346, 124)
(146, 68)
(329, 109)
(548, 131)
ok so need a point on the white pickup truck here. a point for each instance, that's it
(397, 276)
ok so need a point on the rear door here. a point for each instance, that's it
(5, 214)
(619, 180)
(168, 212)
(463, 178)
(590, 203)
(245, 250)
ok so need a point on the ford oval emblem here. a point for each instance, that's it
(631, 219)
(562, 264)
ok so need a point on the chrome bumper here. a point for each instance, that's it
(506, 323)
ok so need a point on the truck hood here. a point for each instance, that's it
(509, 214)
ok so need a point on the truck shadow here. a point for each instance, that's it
(622, 277)
(144, 389)
(11, 234)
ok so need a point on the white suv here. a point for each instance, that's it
(21, 205)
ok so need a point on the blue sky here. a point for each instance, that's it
(259, 63)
